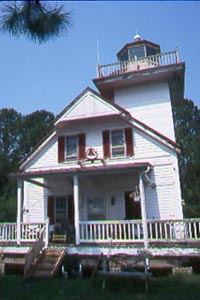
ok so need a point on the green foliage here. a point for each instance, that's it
(35, 126)
(187, 129)
(18, 136)
(36, 20)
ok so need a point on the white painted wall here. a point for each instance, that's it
(164, 202)
(149, 103)
(34, 208)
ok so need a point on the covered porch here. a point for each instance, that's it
(101, 204)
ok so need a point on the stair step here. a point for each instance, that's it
(49, 259)
(52, 253)
(41, 273)
(45, 266)
(48, 263)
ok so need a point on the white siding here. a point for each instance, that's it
(162, 202)
(89, 106)
(149, 103)
(34, 202)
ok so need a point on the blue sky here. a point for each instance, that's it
(49, 76)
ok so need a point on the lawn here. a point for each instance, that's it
(12, 287)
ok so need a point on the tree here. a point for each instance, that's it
(35, 126)
(187, 129)
(10, 136)
(18, 135)
(35, 20)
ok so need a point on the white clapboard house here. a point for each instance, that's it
(108, 171)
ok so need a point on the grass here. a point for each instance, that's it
(187, 287)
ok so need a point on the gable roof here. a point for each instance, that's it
(89, 104)
(89, 95)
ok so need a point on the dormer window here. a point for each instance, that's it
(71, 147)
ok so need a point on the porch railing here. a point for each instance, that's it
(162, 59)
(29, 232)
(129, 231)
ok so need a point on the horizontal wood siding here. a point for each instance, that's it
(149, 103)
(34, 203)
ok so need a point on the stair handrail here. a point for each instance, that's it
(33, 252)
(58, 263)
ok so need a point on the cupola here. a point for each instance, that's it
(138, 49)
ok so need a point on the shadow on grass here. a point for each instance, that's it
(101, 288)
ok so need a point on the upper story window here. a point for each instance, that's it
(71, 147)
(117, 143)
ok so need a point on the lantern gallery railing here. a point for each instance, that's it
(130, 231)
(159, 60)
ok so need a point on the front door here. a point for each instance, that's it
(61, 212)
(132, 207)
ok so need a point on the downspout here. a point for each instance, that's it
(143, 206)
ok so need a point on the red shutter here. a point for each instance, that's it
(61, 149)
(129, 141)
(50, 209)
(106, 143)
(81, 146)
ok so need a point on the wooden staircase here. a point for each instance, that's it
(47, 265)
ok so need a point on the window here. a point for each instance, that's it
(96, 208)
(136, 52)
(71, 147)
(117, 143)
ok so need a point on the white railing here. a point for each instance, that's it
(29, 232)
(34, 252)
(174, 230)
(8, 232)
(131, 231)
(105, 231)
(159, 60)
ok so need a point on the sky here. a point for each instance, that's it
(49, 76)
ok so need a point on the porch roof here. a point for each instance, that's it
(82, 169)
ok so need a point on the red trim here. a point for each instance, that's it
(50, 209)
(81, 146)
(106, 143)
(129, 141)
(70, 171)
(61, 149)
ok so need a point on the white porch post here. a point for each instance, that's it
(76, 208)
(19, 208)
(143, 210)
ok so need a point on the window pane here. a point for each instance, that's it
(71, 146)
(117, 138)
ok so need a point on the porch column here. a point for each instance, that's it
(19, 209)
(76, 209)
(143, 211)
